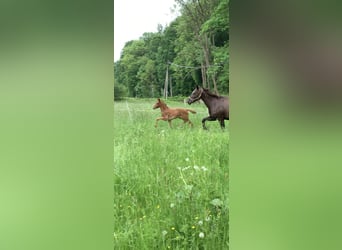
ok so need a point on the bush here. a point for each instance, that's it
(120, 91)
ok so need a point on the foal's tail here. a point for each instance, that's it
(191, 110)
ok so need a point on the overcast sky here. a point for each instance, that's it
(134, 17)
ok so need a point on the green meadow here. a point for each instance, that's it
(170, 184)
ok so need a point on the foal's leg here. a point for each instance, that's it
(187, 121)
(207, 119)
(159, 118)
(169, 123)
(185, 118)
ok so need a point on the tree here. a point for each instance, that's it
(194, 47)
(147, 86)
(195, 13)
(119, 89)
(218, 29)
(130, 65)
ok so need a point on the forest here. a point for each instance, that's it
(192, 50)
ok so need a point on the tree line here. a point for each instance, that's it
(192, 50)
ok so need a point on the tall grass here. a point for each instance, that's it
(171, 185)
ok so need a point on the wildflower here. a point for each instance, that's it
(216, 202)
(187, 159)
(172, 205)
(164, 232)
(208, 218)
(204, 168)
(158, 206)
(200, 222)
(201, 235)
(188, 187)
(172, 228)
(196, 167)
(186, 168)
(196, 218)
(193, 227)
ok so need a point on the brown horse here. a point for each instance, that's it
(218, 106)
(169, 114)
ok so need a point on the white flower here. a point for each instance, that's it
(172, 205)
(187, 159)
(164, 233)
(200, 222)
(188, 187)
(196, 167)
(201, 235)
(204, 168)
(208, 218)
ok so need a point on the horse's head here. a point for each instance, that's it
(195, 95)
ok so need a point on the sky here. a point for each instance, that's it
(132, 18)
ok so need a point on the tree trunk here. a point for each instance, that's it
(204, 76)
(206, 53)
(215, 86)
(166, 82)
(170, 86)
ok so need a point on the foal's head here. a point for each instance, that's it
(159, 104)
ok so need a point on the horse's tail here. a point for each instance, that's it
(191, 110)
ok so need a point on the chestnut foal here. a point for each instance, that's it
(169, 114)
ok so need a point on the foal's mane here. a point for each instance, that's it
(210, 93)
(163, 103)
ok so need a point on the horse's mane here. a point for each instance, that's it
(210, 93)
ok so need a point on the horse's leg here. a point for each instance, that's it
(169, 123)
(207, 119)
(203, 123)
(222, 123)
(226, 118)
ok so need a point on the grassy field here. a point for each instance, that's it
(170, 185)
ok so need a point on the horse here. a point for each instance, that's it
(168, 114)
(218, 106)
